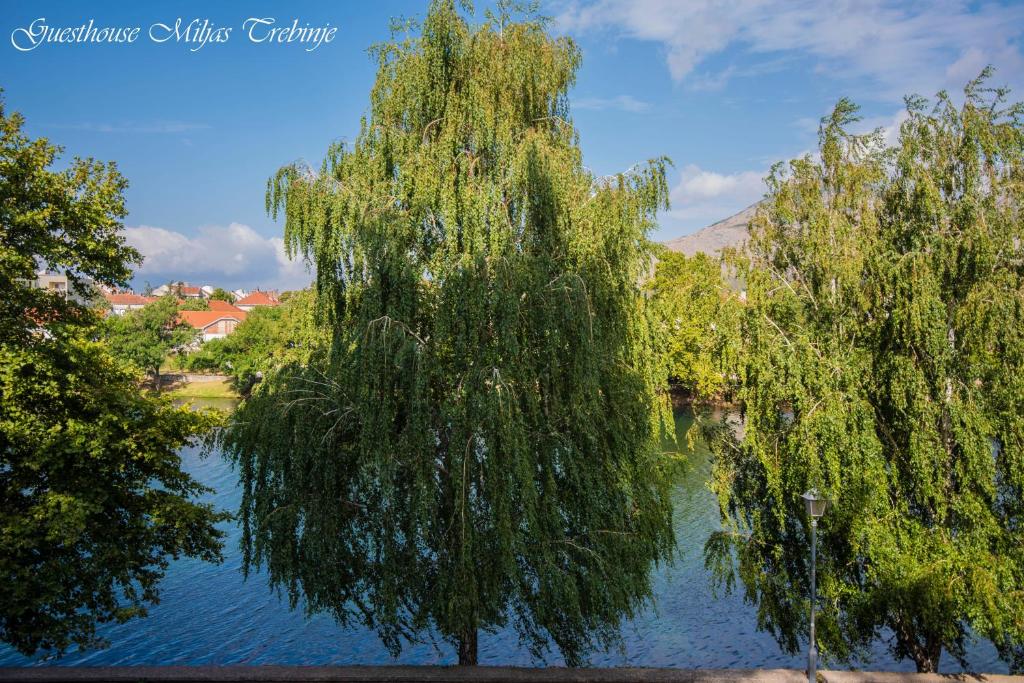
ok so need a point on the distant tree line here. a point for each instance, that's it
(697, 313)
(144, 338)
(269, 336)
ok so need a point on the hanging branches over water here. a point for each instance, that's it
(479, 444)
(882, 363)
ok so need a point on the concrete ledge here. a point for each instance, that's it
(397, 674)
(892, 677)
(485, 674)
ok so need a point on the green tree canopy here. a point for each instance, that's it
(143, 337)
(222, 295)
(198, 304)
(269, 336)
(479, 446)
(884, 365)
(65, 221)
(93, 501)
(698, 318)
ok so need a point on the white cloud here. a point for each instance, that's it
(712, 81)
(621, 102)
(702, 197)
(889, 125)
(228, 256)
(807, 124)
(899, 48)
(697, 186)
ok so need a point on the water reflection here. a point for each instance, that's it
(209, 615)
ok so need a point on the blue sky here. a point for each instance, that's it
(724, 89)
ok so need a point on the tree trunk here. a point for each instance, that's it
(467, 648)
(927, 657)
(924, 649)
(156, 379)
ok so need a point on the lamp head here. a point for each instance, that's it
(815, 504)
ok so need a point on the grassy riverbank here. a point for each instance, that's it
(215, 389)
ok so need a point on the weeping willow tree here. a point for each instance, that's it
(698, 318)
(884, 364)
(478, 446)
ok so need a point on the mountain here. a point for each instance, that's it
(730, 232)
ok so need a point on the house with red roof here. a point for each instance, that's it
(122, 302)
(218, 305)
(213, 324)
(182, 290)
(257, 298)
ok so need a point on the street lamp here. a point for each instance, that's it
(815, 509)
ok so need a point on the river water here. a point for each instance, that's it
(209, 614)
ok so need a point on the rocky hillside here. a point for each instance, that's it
(729, 232)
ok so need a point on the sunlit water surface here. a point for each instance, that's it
(209, 615)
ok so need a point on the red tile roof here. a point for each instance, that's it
(258, 298)
(203, 319)
(218, 305)
(128, 299)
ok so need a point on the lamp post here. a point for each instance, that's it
(815, 509)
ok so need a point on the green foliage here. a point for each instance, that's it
(93, 501)
(145, 336)
(191, 304)
(222, 295)
(60, 220)
(697, 317)
(883, 363)
(479, 444)
(267, 338)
